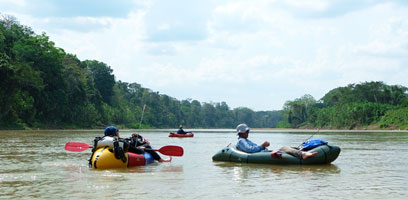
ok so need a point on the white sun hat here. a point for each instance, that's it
(242, 128)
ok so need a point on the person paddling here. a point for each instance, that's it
(134, 145)
(137, 144)
(244, 144)
(181, 131)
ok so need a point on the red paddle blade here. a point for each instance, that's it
(171, 150)
(77, 146)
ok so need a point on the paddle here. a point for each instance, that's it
(77, 146)
(169, 150)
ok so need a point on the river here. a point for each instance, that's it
(371, 165)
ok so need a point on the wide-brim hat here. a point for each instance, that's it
(242, 128)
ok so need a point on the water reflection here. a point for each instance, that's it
(178, 169)
(243, 171)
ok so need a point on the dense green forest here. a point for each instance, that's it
(368, 105)
(42, 86)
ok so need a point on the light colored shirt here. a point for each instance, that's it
(248, 146)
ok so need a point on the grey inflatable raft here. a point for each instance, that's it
(326, 154)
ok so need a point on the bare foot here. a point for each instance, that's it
(276, 154)
(306, 155)
(168, 160)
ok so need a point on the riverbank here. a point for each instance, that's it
(277, 130)
(325, 130)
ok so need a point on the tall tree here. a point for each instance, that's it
(103, 78)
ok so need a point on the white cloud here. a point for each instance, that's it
(388, 39)
(18, 3)
(318, 5)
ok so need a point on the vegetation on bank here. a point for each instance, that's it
(368, 105)
(42, 86)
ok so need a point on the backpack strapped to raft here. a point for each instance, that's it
(119, 147)
(310, 144)
(119, 151)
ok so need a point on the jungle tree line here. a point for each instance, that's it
(42, 86)
(369, 104)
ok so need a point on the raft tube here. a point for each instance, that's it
(326, 154)
(104, 158)
(189, 134)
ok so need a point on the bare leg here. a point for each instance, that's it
(292, 151)
(297, 153)
(306, 155)
(168, 160)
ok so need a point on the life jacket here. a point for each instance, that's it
(137, 140)
(100, 142)
(181, 131)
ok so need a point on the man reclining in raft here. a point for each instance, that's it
(248, 146)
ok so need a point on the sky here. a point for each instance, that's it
(257, 54)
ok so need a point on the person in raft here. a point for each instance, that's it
(113, 131)
(248, 146)
(139, 145)
(181, 131)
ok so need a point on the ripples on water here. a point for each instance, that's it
(34, 165)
